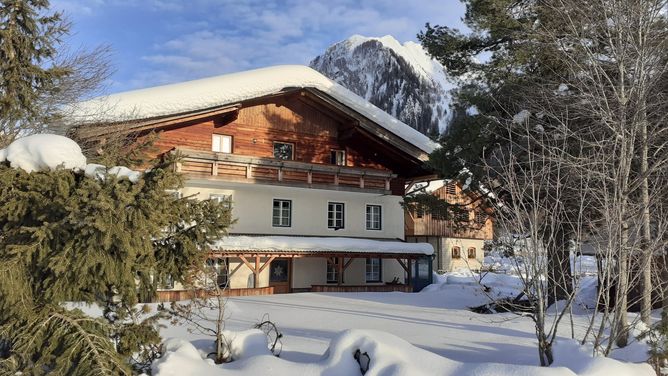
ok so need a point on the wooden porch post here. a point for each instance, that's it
(410, 272)
(256, 271)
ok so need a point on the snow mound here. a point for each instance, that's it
(386, 355)
(100, 172)
(122, 172)
(41, 152)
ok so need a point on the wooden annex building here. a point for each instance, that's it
(458, 243)
(313, 173)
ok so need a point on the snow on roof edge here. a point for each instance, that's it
(226, 89)
(319, 244)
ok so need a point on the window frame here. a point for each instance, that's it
(226, 199)
(334, 157)
(167, 282)
(273, 216)
(334, 271)
(456, 255)
(368, 263)
(221, 137)
(343, 215)
(292, 150)
(380, 217)
(217, 263)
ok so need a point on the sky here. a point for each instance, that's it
(156, 42)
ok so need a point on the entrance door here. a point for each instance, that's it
(279, 275)
(422, 274)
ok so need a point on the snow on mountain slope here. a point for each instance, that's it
(401, 79)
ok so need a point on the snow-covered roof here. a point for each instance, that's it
(319, 244)
(233, 88)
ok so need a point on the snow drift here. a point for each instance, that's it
(388, 356)
(41, 152)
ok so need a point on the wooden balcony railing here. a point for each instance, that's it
(427, 226)
(230, 167)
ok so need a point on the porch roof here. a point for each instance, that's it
(324, 245)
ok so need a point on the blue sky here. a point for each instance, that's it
(161, 41)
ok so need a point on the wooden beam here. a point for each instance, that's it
(403, 265)
(248, 264)
(266, 263)
(350, 260)
(410, 273)
(94, 130)
(235, 270)
(257, 271)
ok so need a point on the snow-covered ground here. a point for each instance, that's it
(426, 333)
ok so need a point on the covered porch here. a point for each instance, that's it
(258, 265)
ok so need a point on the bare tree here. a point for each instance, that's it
(205, 311)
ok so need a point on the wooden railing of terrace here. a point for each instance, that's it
(230, 167)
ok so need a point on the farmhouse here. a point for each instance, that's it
(313, 173)
(458, 242)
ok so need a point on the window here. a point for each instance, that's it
(225, 199)
(282, 213)
(338, 157)
(419, 211)
(335, 214)
(220, 268)
(333, 270)
(373, 217)
(373, 269)
(451, 189)
(471, 252)
(279, 270)
(175, 194)
(221, 143)
(456, 252)
(167, 282)
(439, 214)
(284, 151)
(480, 218)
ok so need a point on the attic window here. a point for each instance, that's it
(284, 150)
(450, 189)
(338, 157)
(221, 143)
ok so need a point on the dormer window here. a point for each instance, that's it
(221, 143)
(284, 150)
(338, 157)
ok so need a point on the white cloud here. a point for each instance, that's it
(208, 37)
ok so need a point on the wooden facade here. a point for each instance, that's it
(477, 225)
(314, 131)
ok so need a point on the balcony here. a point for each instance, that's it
(245, 169)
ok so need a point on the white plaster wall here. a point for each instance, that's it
(252, 207)
(391, 269)
(309, 271)
(244, 277)
(464, 262)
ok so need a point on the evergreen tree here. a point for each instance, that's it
(65, 236)
(38, 76)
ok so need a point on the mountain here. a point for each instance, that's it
(401, 79)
